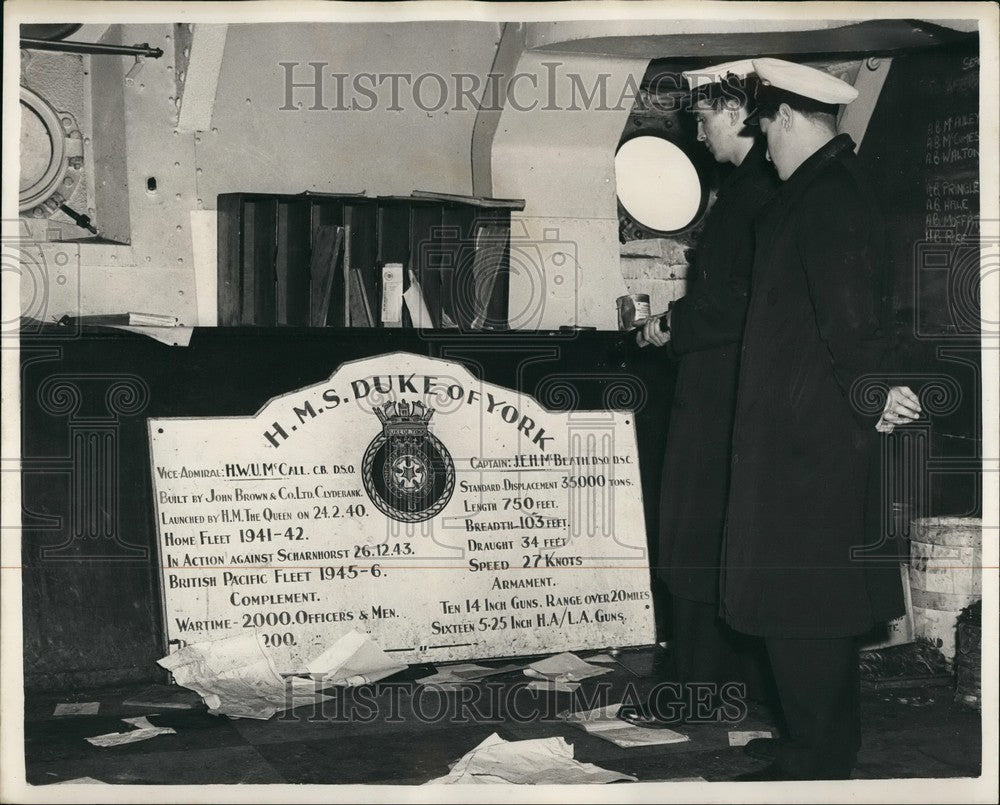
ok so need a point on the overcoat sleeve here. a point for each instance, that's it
(714, 310)
(837, 240)
(714, 313)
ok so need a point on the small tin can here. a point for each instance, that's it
(633, 310)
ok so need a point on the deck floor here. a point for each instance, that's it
(398, 733)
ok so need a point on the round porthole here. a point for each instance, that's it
(658, 185)
(43, 150)
(51, 155)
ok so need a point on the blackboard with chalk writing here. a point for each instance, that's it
(923, 149)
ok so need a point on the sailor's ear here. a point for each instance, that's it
(784, 116)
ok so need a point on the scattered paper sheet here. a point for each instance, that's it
(565, 667)
(414, 299)
(553, 685)
(464, 673)
(236, 677)
(354, 659)
(482, 672)
(738, 738)
(143, 723)
(604, 723)
(171, 336)
(77, 708)
(392, 294)
(543, 761)
(152, 320)
(80, 781)
(143, 732)
(604, 658)
(600, 718)
(629, 736)
(450, 674)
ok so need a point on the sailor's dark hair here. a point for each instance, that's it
(770, 98)
(731, 92)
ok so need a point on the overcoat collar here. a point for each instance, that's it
(755, 160)
(805, 172)
(796, 184)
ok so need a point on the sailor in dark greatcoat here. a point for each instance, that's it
(703, 329)
(816, 337)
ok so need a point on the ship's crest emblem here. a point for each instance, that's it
(408, 473)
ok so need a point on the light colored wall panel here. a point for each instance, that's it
(255, 145)
(560, 159)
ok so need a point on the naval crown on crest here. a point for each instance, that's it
(408, 473)
(403, 414)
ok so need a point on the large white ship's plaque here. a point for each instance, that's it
(446, 517)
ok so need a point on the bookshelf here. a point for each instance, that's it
(329, 260)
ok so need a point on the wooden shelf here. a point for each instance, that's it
(316, 259)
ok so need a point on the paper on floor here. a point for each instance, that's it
(482, 672)
(463, 673)
(600, 718)
(543, 761)
(80, 781)
(553, 685)
(450, 675)
(354, 659)
(629, 736)
(604, 723)
(76, 708)
(143, 732)
(461, 766)
(236, 677)
(566, 667)
(738, 738)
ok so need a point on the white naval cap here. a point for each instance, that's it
(805, 81)
(704, 76)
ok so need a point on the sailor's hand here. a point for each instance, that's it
(651, 332)
(902, 407)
